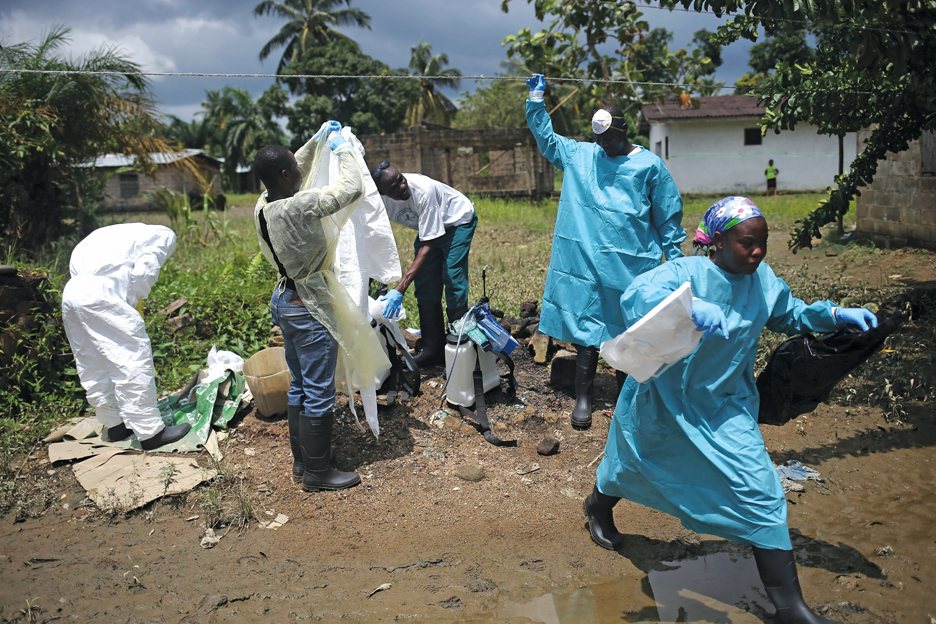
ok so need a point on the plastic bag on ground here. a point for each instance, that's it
(221, 361)
(662, 337)
(803, 370)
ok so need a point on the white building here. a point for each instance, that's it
(718, 148)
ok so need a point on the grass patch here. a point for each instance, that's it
(781, 212)
(242, 199)
(216, 267)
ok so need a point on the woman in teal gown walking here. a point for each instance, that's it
(687, 441)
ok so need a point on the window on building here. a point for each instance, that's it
(658, 148)
(666, 147)
(752, 136)
(129, 185)
(929, 152)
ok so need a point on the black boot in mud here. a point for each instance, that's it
(432, 329)
(294, 423)
(586, 363)
(599, 511)
(170, 434)
(316, 442)
(777, 570)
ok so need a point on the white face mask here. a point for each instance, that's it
(601, 121)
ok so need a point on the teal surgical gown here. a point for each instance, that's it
(617, 218)
(687, 442)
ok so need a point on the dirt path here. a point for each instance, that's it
(509, 548)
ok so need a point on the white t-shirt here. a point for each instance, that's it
(431, 208)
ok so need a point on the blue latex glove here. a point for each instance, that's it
(708, 317)
(862, 317)
(327, 128)
(337, 141)
(394, 299)
(537, 86)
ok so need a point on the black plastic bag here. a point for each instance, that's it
(803, 370)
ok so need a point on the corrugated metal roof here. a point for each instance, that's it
(122, 160)
(709, 106)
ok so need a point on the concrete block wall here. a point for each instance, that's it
(453, 157)
(898, 209)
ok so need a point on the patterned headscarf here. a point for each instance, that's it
(724, 215)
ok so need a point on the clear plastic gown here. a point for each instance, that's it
(305, 230)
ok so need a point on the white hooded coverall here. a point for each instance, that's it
(111, 271)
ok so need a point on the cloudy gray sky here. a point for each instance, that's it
(222, 36)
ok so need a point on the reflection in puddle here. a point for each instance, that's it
(720, 587)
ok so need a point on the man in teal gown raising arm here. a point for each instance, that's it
(619, 215)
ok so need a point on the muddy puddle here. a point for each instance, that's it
(720, 587)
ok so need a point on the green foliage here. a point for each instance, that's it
(39, 385)
(703, 39)
(310, 23)
(431, 105)
(784, 44)
(497, 105)
(368, 106)
(873, 67)
(243, 125)
(176, 206)
(228, 295)
(51, 122)
(572, 47)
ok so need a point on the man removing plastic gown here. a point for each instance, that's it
(323, 329)
(112, 271)
(445, 222)
(619, 215)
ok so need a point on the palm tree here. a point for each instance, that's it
(311, 23)
(243, 127)
(82, 116)
(194, 134)
(431, 105)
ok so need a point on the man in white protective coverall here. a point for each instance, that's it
(298, 231)
(445, 222)
(112, 270)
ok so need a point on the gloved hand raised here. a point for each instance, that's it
(537, 86)
(709, 317)
(327, 128)
(394, 299)
(862, 317)
(337, 141)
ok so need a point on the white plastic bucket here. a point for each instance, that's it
(268, 378)
(460, 388)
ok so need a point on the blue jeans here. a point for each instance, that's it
(311, 354)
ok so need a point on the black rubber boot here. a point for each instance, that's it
(432, 327)
(168, 435)
(455, 313)
(118, 433)
(598, 509)
(620, 377)
(586, 363)
(777, 570)
(316, 440)
(294, 422)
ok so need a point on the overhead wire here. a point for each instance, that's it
(370, 77)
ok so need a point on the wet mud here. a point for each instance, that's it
(417, 543)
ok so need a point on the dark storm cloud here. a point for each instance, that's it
(223, 36)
